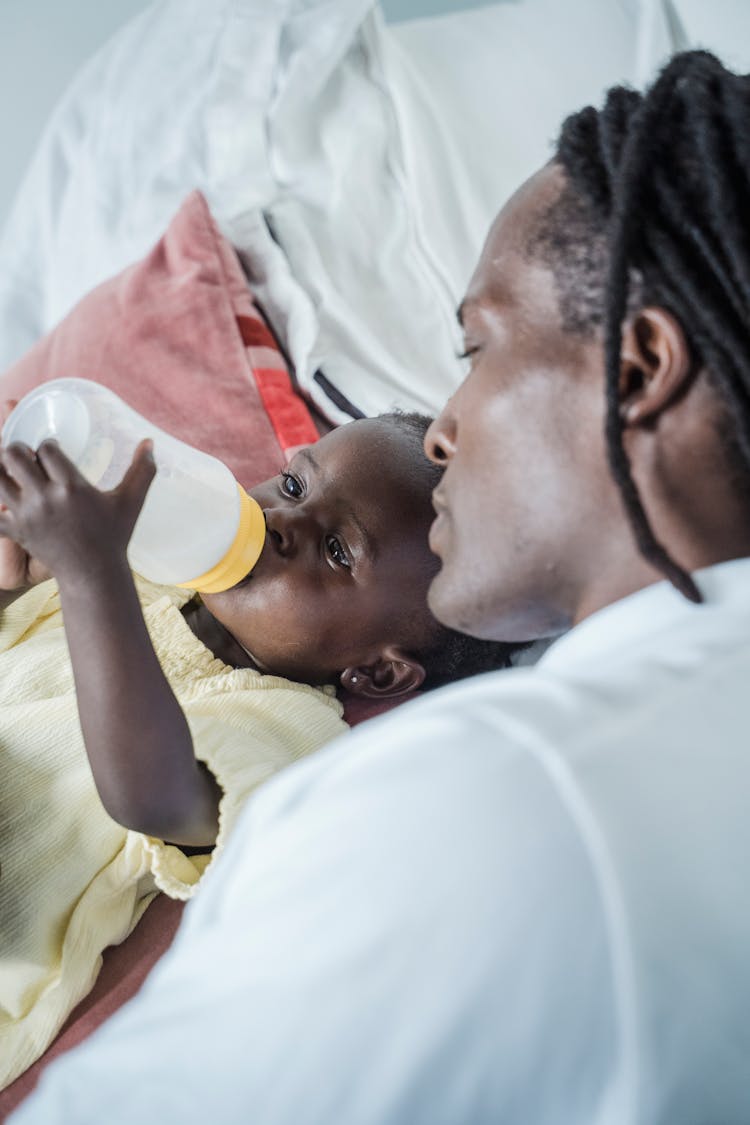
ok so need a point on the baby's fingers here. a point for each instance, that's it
(55, 464)
(139, 474)
(22, 465)
(7, 525)
(9, 490)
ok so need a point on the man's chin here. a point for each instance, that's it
(462, 609)
(447, 601)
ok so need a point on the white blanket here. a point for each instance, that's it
(378, 157)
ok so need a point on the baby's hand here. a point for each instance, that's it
(64, 524)
(17, 569)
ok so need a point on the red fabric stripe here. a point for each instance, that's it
(255, 333)
(287, 412)
(289, 416)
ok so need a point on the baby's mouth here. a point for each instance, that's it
(265, 566)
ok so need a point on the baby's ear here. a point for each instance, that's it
(395, 672)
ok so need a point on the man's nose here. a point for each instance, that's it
(440, 439)
(290, 529)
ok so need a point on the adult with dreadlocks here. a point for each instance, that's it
(525, 899)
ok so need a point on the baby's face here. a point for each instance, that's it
(346, 565)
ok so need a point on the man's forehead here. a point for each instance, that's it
(519, 216)
(495, 278)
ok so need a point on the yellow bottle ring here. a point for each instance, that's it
(241, 556)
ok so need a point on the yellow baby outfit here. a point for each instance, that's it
(72, 881)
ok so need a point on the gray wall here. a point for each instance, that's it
(42, 44)
(396, 10)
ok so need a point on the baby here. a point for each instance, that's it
(135, 720)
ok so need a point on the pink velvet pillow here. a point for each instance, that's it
(177, 335)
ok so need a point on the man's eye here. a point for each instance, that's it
(467, 353)
(337, 552)
(290, 485)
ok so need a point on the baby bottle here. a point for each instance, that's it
(197, 528)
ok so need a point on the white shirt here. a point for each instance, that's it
(524, 899)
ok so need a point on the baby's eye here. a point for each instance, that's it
(337, 552)
(290, 485)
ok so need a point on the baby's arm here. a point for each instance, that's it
(136, 735)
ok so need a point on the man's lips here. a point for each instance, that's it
(438, 501)
(439, 522)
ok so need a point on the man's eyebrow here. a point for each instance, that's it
(368, 542)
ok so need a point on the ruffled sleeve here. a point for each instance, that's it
(38, 608)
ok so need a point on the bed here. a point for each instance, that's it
(247, 213)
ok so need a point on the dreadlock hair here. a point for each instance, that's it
(655, 211)
(449, 655)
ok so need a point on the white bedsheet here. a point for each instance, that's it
(377, 155)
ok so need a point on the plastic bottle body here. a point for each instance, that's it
(196, 522)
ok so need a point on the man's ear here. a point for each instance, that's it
(655, 365)
(395, 672)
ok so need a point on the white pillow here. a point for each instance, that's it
(481, 95)
(433, 126)
(429, 128)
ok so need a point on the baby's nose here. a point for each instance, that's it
(289, 530)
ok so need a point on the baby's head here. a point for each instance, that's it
(339, 593)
